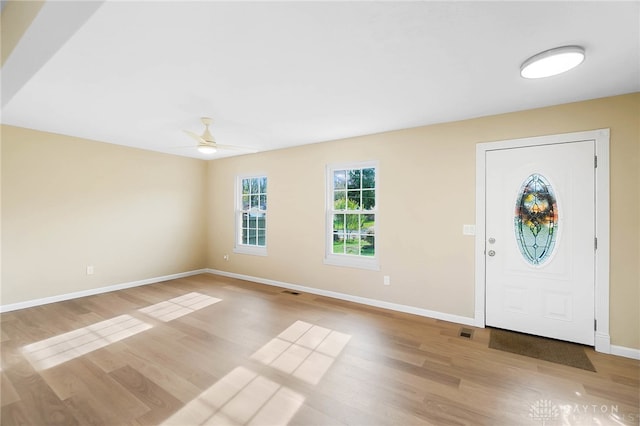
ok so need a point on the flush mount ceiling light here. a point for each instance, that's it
(552, 62)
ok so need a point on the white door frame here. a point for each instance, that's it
(601, 138)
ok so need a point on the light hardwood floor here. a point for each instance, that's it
(214, 350)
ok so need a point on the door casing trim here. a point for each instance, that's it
(601, 291)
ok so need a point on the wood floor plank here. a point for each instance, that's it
(16, 413)
(626, 380)
(161, 403)
(159, 352)
(84, 409)
(64, 380)
(110, 357)
(263, 356)
(8, 394)
(43, 404)
(396, 367)
(613, 392)
(178, 386)
(88, 391)
(380, 402)
(307, 416)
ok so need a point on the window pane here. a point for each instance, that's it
(354, 179)
(263, 185)
(368, 199)
(255, 186)
(340, 200)
(255, 201)
(252, 222)
(339, 179)
(354, 202)
(261, 221)
(245, 202)
(252, 237)
(352, 222)
(262, 237)
(368, 224)
(245, 236)
(338, 223)
(245, 186)
(367, 246)
(352, 244)
(263, 202)
(245, 220)
(338, 244)
(369, 178)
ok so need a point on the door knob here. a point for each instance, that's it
(491, 253)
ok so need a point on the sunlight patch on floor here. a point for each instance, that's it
(64, 347)
(179, 306)
(242, 397)
(303, 350)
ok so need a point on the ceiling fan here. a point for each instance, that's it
(208, 145)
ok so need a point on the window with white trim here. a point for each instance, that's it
(351, 215)
(251, 215)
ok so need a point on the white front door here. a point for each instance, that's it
(540, 240)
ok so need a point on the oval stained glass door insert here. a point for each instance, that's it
(536, 219)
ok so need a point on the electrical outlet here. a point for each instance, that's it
(387, 280)
(226, 257)
(90, 270)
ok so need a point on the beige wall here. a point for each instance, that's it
(426, 181)
(68, 203)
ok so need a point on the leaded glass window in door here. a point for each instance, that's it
(536, 219)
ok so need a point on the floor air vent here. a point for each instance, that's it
(467, 333)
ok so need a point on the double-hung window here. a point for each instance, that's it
(251, 215)
(351, 215)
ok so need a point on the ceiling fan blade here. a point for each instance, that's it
(195, 136)
(206, 140)
(235, 148)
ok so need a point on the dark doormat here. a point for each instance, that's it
(557, 351)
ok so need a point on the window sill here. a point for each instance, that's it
(252, 250)
(370, 263)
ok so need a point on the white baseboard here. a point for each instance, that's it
(348, 297)
(625, 352)
(94, 291)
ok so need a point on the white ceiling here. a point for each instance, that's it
(280, 74)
